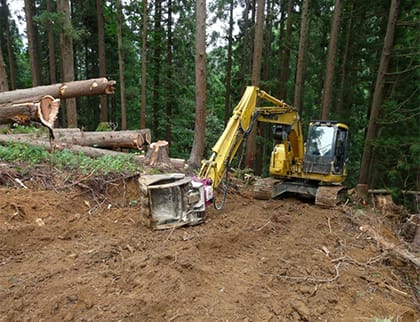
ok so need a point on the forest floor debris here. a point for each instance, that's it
(77, 249)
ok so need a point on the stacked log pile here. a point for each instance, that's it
(41, 105)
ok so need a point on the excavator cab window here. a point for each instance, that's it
(326, 148)
(341, 146)
(321, 141)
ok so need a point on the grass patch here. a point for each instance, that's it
(67, 160)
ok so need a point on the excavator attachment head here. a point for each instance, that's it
(172, 200)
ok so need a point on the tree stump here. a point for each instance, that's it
(362, 191)
(158, 155)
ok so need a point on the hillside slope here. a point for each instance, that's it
(66, 255)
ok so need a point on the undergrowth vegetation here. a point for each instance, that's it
(68, 160)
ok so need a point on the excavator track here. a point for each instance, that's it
(325, 196)
(263, 188)
(330, 196)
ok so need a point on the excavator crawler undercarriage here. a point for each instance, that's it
(325, 195)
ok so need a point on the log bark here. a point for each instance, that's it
(89, 87)
(134, 139)
(112, 139)
(89, 151)
(43, 111)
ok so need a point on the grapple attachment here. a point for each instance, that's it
(172, 200)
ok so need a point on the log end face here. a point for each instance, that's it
(110, 88)
(48, 110)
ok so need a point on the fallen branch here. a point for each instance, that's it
(386, 245)
(314, 279)
(386, 285)
(348, 259)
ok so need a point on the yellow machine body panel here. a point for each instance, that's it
(289, 158)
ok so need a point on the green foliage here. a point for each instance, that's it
(24, 153)
(68, 160)
(22, 129)
(170, 83)
(104, 126)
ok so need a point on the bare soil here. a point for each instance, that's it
(68, 255)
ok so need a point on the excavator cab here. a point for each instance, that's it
(326, 149)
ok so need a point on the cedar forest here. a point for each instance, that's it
(354, 61)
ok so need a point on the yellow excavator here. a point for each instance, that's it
(316, 168)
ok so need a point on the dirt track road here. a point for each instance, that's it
(61, 259)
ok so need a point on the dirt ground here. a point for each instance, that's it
(66, 255)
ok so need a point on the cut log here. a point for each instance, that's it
(89, 87)
(387, 192)
(89, 151)
(158, 155)
(134, 139)
(43, 111)
(112, 139)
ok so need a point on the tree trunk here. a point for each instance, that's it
(51, 48)
(33, 46)
(378, 94)
(157, 62)
(255, 80)
(342, 113)
(87, 87)
(300, 69)
(329, 74)
(67, 58)
(143, 66)
(285, 51)
(228, 81)
(121, 66)
(44, 111)
(258, 45)
(3, 75)
(266, 64)
(170, 101)
(10, 53)
(246, 46)
(197, 150)
(102, 58)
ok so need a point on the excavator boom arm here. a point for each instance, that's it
(240, 125)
